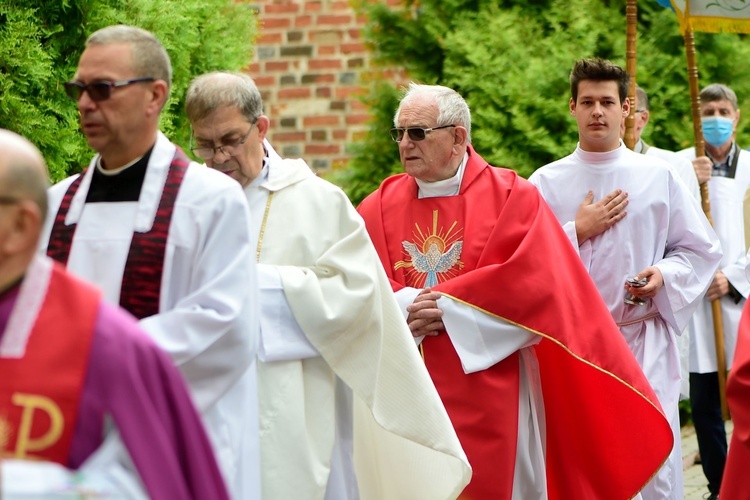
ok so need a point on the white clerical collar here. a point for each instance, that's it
(607, 156)
(115, 171)
(446, 187)
(639, 147)
(263, 175)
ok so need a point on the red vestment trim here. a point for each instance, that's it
(141, 281)
(40, 393)
(736, 481)
(520, 266)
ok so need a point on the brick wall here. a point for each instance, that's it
(310, 64)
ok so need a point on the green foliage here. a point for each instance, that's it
(511, 60)
(40, 43)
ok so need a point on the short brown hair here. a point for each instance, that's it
(601, 70)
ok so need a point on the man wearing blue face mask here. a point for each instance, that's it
(726, 168)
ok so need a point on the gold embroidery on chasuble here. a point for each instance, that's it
(433, 254)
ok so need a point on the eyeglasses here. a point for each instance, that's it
(208, 152)
(99, 91)
(415, 133)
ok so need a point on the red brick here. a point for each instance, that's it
(324, 64)
(357, 105)
(253, 68)
(276, 22)
(361, 19)
(295, 93)
(347, 92)
(339, 134)
(357, 119)
(322, 149)
(302, 21)
(354, 34)
(313, 6)
(353, 48)
(270, 38)
(339, 6)
(289, 137)
(265, 81)
(327, 50)
(277, 66)
(333, 20)
(281, 9)
(316, 121)
(323, 92)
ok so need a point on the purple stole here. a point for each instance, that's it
(141, 279)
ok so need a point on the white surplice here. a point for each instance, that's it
(663, 227)
(684, 170)
(347, 408)
(207, 318)
(726, 196)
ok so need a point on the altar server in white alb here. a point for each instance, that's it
(347, 408)
(643, 224)
(727, 171)
(165, 238)
(684, 170)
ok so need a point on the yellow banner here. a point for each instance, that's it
(713, 16)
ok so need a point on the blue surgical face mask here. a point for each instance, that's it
(717, 130)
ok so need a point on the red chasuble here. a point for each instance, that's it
(497, 246)
(736, 481)
(40, 392)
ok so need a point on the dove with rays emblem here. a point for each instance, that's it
(433, 261)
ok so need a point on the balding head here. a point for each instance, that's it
(23, 205)
(23, 172)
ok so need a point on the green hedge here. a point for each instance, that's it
(511, 61)
(41, 41)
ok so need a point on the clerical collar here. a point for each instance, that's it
(446, 187)
(263, 175)
(120, 184)
(596, 157)
(641, 147)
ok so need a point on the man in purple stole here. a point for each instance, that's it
(165, 238)
(68, 360)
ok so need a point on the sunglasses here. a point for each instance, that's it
(415, 133)
(99, 91)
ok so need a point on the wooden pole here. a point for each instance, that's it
(631, 16)
(700, 150)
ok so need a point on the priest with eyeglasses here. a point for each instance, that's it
(152, 230)
(544, 394)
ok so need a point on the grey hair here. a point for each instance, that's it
(149, 57)
(452, 108)
(717, 92)
(223, 88)
(641, 99)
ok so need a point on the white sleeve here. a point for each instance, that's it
(208, 319)
(481, 340)
(281, 338)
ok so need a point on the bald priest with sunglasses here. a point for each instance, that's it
(544, 394)
(164, 237)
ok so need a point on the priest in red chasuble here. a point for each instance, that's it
(545, 395)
